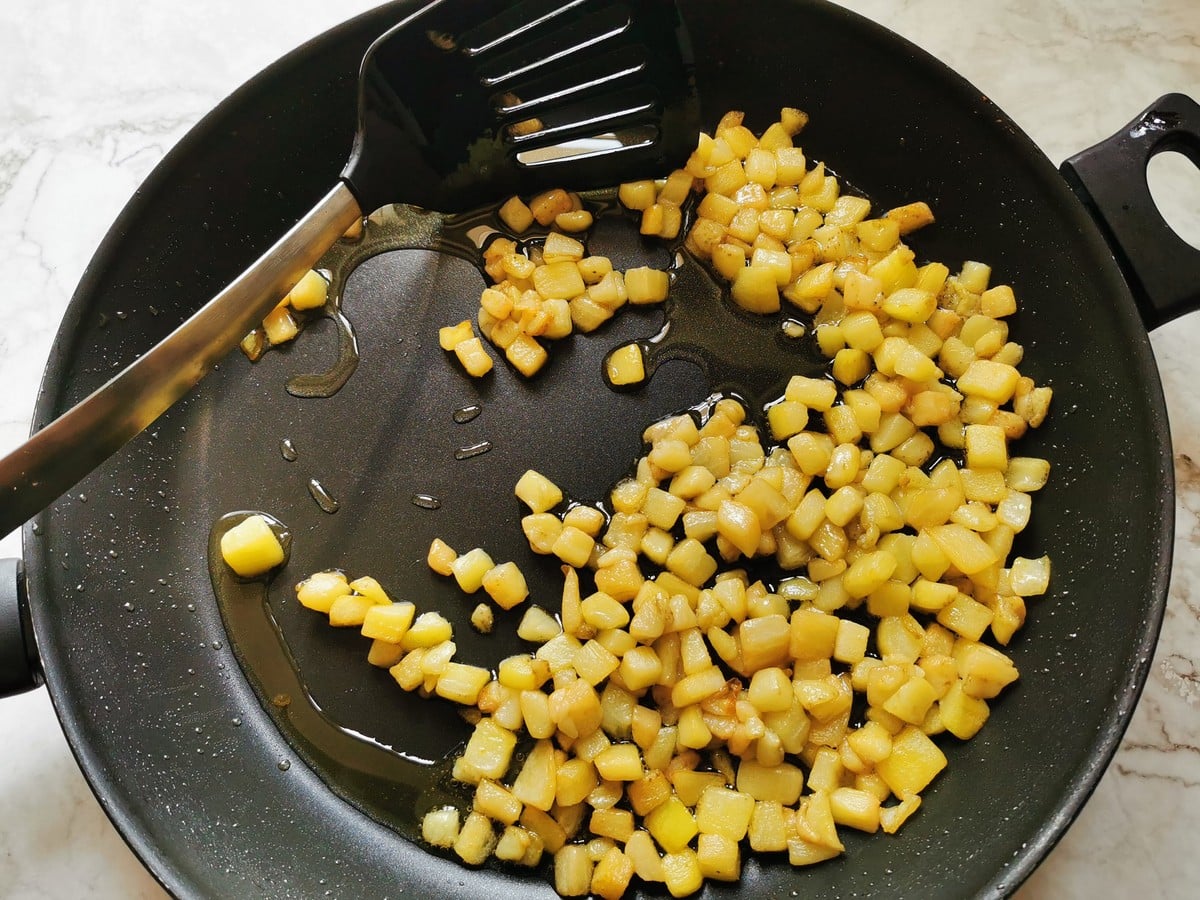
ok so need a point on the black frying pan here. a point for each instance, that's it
(133, 685)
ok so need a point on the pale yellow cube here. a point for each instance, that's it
(441, 557)
(719, 857)
(771, 690)
(614, 870)
(470, 568)
(538, 626)
(558, 280)
(625, 365)
(349, 610)
(787, 418)
(966, 616)
(384, 654)
(251, 547)
(487, 755)
(389, 622)
(662, 509)
(473, 358)
(310, 292)
(910, 304)
(781, 783)
(755, 289)
(525, 354)
(690, 561)
(587, 315)
(440, 827)
(914, 762)
(462, 683)
(537, 781)
(855, 809)
(645, 285)
(672, 825)
(482, 618)
(911, 701)
(280, 326)
(572, 871)
(594, 662)
(537, 491)
(1027, 473)
(681, 873)
(573, 546)
(321, 589)
(850, 645)
(429, 630)
(961, 714)
(516, 215)
(451, 336)
(725, 812)
(768, 829)
(593, 268)
(560, 248)
(619, 762)
(505, 585)
(640, 668)
(851, 365)
(1029, 577)
(637, 195)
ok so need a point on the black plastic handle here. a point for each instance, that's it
(19, 670)
(1162, 269)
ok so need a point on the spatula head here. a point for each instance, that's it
(470, 101)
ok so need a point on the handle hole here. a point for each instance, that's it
(1174, 182)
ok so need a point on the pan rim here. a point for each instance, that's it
(1118, 712)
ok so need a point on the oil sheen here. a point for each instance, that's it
(750, 357)
(389, 785)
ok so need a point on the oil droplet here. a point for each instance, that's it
(236, 722)
(287, 450)
(284, 765)
(83, 498)
(426, 501)
(37, 527)
(465, 414)
(127, 606)
(216, 645)
(473, 450)
(324, 499)
(191, 607)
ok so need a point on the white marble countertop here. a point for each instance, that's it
(93, 94)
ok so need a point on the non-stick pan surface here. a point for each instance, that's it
(166, 724)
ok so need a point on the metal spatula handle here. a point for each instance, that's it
(61, 454)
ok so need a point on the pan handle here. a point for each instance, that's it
(1162, 269)
(19, 670)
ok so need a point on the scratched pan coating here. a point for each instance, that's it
(167, 726)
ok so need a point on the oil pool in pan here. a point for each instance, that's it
(741, 354)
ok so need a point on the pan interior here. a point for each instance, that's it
(139, 662)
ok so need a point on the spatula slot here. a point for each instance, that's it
(605, 73)
(599, 116)
(585, 148)
(515, 21)
(561, 46)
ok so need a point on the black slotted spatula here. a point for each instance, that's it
(461, 104)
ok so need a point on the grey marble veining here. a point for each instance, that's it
(93, 94)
